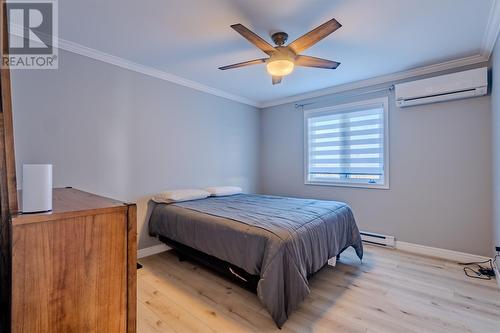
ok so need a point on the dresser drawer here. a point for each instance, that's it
(74, 270)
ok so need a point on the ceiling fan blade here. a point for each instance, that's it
(307, 61)
(277, 79)
(254, 38)
(243, 64)
(314, 36)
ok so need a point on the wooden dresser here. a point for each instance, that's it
(74, 269)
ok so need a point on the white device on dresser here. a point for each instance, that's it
(37, 188)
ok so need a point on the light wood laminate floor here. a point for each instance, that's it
(390, 291)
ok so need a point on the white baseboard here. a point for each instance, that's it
(149, 251)
(439, 253)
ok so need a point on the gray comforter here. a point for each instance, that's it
(283, 240)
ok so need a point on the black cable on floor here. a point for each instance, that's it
(476, 271)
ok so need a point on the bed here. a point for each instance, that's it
(276, 242)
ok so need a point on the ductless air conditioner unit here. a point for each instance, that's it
(442, 88)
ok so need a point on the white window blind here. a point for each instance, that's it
(346, 144)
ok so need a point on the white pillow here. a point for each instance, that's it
(219, 191)
(180, 195)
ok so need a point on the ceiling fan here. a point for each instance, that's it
(283, 59)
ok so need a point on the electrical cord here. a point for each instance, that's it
(479, 272)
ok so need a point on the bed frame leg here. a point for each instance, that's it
(332, 262)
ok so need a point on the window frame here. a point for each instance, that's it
(373, 102)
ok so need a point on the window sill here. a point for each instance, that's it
(369, 186)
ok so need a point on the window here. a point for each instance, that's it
(346, 145)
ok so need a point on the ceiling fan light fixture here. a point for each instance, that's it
(280, 67)
(283, 59)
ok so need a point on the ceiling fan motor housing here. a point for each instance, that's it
(279, 38)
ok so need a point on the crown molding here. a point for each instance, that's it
(443, 66)
(85, 51)
(492, 30)
(488, 44)
(150, 71)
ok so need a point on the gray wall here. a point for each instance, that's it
(125, 135)
(440, 167)
(495, 107)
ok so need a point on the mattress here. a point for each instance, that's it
(283, 240)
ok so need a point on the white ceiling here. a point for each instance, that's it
(192, 38)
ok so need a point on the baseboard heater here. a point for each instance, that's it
(378, 239)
